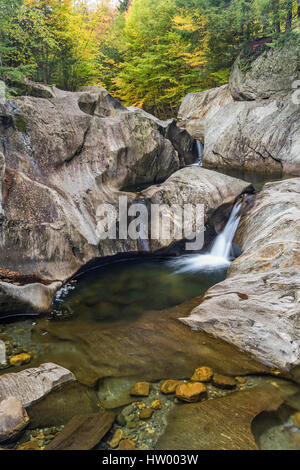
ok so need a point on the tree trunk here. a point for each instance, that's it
(289, 18)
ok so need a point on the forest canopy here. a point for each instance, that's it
(147, 53)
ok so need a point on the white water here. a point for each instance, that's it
(200, 149)
(219, 255)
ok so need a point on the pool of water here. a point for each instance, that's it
(122, 291)
(257, 179)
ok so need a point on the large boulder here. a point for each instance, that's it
(272, 72)
(219, 424)
(13, 418)
(31, 385)
(257, 307)
(193, 185)
(252, 123)
(61, 157)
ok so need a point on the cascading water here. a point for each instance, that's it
(200, 149)
(223, 243)
(219, 255)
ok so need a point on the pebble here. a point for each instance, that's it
(223, 381)
(202, 374)
(140, 389)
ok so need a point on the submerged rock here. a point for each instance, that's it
(168, 387)
(202, 374)
(13, 418)
(257, 307)
(219, 424)
(140, 389)
(20, 359)
(31, 385)
(221, 381)
(191, 392)
(151, 347)
(83, 432)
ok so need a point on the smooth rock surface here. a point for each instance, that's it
(258, 135)
(193, 185)
(13, 418)
(219, 424)
(31, 385)
(257, 306)
(83, 432)
(61, 158)
(152, 347)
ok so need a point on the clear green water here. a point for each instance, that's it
(122, 291)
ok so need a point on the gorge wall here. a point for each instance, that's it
(253, 122)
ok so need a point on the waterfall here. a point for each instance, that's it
(223, 243)
(219, 255)
(200, 149)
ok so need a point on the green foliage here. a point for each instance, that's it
(148, 53)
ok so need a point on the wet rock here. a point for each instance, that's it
(202, 374)
(193, 185)
(146, 413)
(218, 424)
(115, 392)
(297, 420)
(191, 392)
(13, 418)
(20, 359)
(31, 385)
(241, 380)
(30, 445)
(135, 350)
(115, 440)
(156, 405)
(83, 432)
(61, 405)
(221, 381)
(34, 297)
(264, 323)
(140, 389)
(64, 157)
(127, 444)
(169, 386)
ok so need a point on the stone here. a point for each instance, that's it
(20, 359)
(297, 420)
(221, 381)
(156, 405)
(127, 444)
(83, 432)
(191, 392)
(219, 424)
(13, 418)
(140, 389)
(169, 386)
(30, 445)
(116, 439)
(146, 413)
(202, 374)
(241, 380)
(31, 385)
(250, 124)
(76, 344)
(64, 157)
(194, 185)
(265, 323)
(59, 407)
